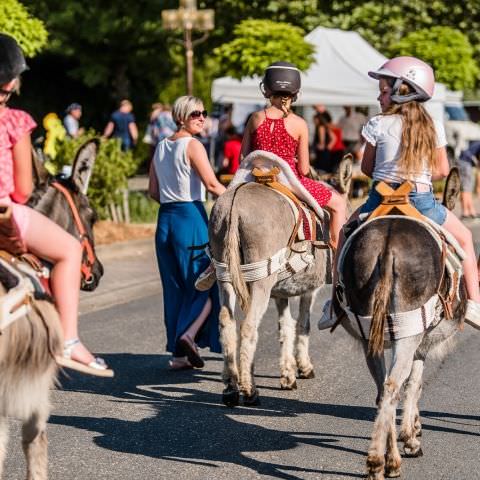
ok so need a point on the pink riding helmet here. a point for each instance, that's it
(418, 74)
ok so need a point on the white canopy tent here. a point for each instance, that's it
(338, 76)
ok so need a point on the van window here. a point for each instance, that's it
(456, 112)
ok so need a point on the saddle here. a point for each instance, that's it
(395, 202)
(308, 225)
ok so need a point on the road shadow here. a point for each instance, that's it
(190, 425)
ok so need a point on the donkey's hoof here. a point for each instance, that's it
(393, 472)
(413, 452)
(306, 374)
(230, 397)
(251, 400)
(286, 384)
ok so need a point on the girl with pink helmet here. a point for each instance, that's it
(405, 143)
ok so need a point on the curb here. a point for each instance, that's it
(125, 249)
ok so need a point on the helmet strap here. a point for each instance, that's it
(400, 99)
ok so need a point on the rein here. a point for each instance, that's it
(88, 256)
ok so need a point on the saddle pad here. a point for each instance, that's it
(306, 228)
(266, 161)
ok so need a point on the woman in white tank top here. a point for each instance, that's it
(180, 174)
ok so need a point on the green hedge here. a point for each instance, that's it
(111, 171)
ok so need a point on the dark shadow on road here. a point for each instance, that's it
(189, 424)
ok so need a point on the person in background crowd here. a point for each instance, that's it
(151, 137)
(122, 125)
(468, 159)
(351, 124)
(231, 150)
(323, 141)
(72, 119)
(163, 126)
(179, 173)
(337, 150)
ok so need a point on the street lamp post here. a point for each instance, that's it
(188, 18)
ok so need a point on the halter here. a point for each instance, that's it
(88, 256)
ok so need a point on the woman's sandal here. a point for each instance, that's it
(98, 367)
(179, 363)
(187, 344)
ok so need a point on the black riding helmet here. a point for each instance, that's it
(12, 61)
(281, 78)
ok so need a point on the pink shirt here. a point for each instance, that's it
(14, 124)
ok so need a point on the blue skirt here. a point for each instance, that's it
(182, 225)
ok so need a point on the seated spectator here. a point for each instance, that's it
(351, 124)
(231, 150)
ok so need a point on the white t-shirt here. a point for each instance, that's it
(177, 180)
(385, 133)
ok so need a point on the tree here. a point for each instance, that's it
(29, 31)
(447, 50)
(385, 23)
(257, 43)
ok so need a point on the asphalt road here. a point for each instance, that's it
(150, 423)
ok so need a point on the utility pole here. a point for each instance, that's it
(188, 18)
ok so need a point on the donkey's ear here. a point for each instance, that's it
(39, 172)
(83, 164)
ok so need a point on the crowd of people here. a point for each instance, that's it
(181, 172)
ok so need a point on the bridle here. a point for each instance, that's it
(88, 255)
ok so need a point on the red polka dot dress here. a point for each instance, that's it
(272, 136)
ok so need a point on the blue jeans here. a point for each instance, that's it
(424, 202)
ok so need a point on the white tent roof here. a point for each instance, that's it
(338, 75)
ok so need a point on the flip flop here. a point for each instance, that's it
(181, 365)
(97, 367)
(190, 349)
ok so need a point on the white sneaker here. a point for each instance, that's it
(328, 318)
(472, 315)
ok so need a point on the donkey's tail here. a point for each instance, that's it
(233, 259)
(381, 303)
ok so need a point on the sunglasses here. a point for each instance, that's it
(198, 114)
(6, 92)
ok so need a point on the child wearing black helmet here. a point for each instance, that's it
(40, 234)
(278, 130)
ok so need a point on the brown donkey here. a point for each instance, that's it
(395, 265)
(28, 345)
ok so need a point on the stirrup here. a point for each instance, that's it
(97, 367)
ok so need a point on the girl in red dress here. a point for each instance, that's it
(278, 130)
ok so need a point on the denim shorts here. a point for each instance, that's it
(424, 202)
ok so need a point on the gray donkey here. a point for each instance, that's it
(394, 264)
(248, 224)
(28, 346)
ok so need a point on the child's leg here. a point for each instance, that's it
(338, 208)
(47, 240)
(464, 237)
